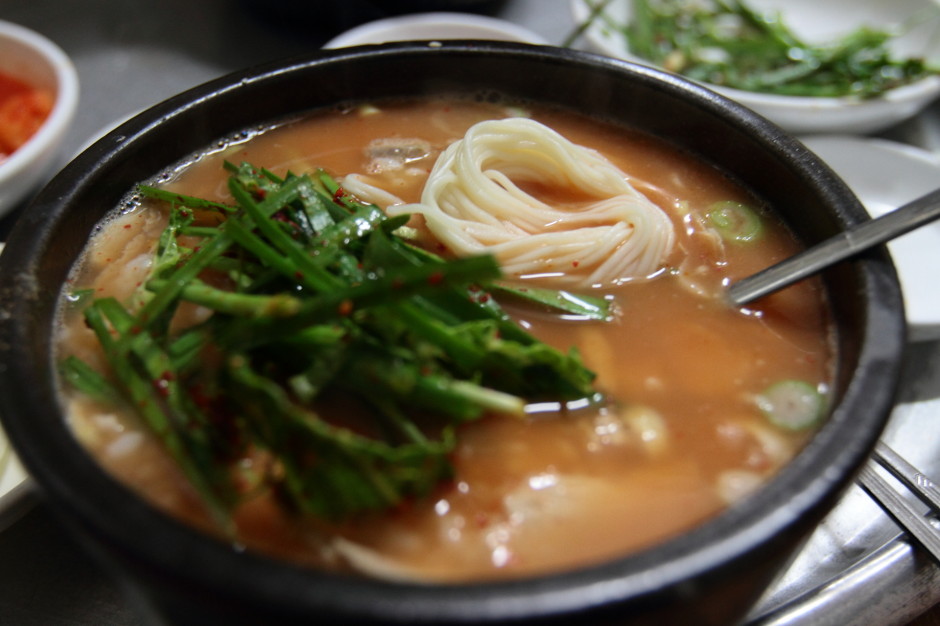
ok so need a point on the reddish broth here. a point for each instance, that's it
(553, 491)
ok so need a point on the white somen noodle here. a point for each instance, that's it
(472, 203)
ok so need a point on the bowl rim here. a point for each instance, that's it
(760, 519)
(63, 109)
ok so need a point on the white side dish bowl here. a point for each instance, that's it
(818, 23)
(32, 58)
(884, 175)
(421, 26)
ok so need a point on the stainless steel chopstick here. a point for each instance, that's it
(916, 481)
(917, 523)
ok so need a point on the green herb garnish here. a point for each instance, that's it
(727, 43)
(316, 299)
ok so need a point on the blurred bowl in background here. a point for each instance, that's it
(816, 23)
(330, 18)
(444, 25)
(31, 58)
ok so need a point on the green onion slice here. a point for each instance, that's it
(792, 404)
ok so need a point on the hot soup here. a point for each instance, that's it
(695, 404)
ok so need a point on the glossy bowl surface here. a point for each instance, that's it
(34, 59)
(707, 576)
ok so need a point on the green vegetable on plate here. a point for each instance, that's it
(730, 44)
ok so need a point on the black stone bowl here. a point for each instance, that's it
(710, 575)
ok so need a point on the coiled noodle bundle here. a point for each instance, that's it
(473, 202)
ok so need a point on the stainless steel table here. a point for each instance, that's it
(856, 569)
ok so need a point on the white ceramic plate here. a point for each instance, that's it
(884, 175)
(15, 489)
(818, 22)
(432, 26)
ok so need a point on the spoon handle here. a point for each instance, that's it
(856, 239)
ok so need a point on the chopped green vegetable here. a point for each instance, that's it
(576, 305)
(792, 404)
(315, 298)
(728, 43)
(735, 221)
(88, 380)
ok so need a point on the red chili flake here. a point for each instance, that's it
(403, 507)
(345, 307)
(484, 298)
(260, 193)
(162, 384)
(339, 195)
(199, 397)
(136, 330)
(127, 226)
(575, 263)
(436, 278)
(299, 275)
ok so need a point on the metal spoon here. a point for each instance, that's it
(856, 239)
